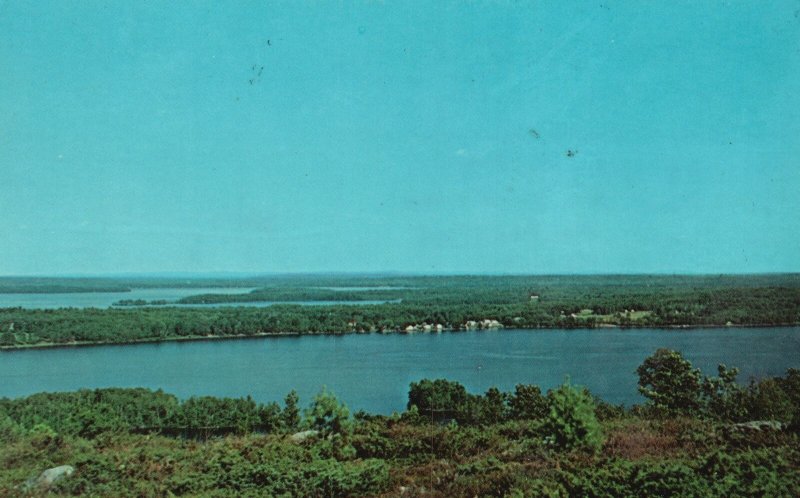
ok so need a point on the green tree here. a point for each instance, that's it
(438, 398)
(790, 384)
(8, 338)
(493, 406)
(766, 400)
(291, 412)
(528, 402)
(722, 396)
(328, 415)
(670, 382)
(571, 422)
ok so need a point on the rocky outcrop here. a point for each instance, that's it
(49, 477)
(299, 437)
(758, 426)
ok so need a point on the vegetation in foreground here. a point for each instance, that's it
(695, 436)
(420, 304)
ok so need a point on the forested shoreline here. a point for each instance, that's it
(694, 435)
(422, 304)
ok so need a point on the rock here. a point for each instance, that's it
(760, 425)
(50, 477)
(299, 437)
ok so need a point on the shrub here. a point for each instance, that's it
(438, 399)
(723, 397)
(494, 407)
(327, 415)
(572, 422)
(634, 439)
(528, 403)
(791, 386)
(766, 400)
(9, 430)
(757, 472)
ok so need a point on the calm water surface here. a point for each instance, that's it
(372, 372)
(107, 299)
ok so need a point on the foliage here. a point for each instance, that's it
(790, 384)
(92, 412)
(452, 302)
(8, 338)
(494, 407)
(439, 399)
(571, 422)
(670, 382)
(723, 398)
(137, 442)
(766, 400)
(528, 402)
(291, 412)
(328, 415)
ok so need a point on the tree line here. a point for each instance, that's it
(517, 303)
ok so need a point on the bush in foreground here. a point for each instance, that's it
(572, 423)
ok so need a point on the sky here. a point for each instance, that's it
(428, 137)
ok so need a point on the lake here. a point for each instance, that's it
(107, 299)
(373, 372)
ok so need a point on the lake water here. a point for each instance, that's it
(107, 299)
(372, 372)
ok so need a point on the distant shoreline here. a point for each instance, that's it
(263, 335)
(343, 305)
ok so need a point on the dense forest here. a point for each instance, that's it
(419, 304)
(694, 436)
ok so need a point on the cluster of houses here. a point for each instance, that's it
(485, 324)
(424, 327)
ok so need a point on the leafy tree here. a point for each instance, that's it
(98, 419)
(722, 396)
(438, 398)
(571, 422)
(670, 382)
(766, 400)
(494, 407)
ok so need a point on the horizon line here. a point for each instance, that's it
(387, 273)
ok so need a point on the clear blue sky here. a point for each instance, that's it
(144, 136)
